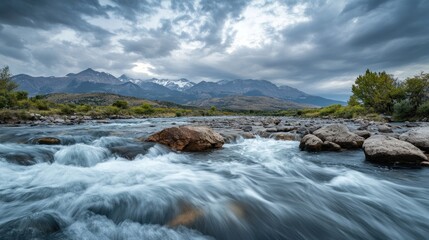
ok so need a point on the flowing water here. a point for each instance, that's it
(103, 183)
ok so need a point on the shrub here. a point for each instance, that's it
(120, 104)
(41, 104)
(423, 110)
(329, 110)
(66, 109)
(111, 110)
(83, 108)
(403, 110)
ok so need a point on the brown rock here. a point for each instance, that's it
(247, 135)
(188, 138)
(286, 136)
(330, 146)
(187, 216)
(48, 141)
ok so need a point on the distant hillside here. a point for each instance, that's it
(250, 87)
(95, 99)
(247, 103)
(179, 91)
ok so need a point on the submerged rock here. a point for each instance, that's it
(131, 151)
(385, 149)
(48, 141)
(419, 137)
(188, 138)
(311, 143)
(187, 216)
(339, 134)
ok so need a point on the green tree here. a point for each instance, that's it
(8, 97)
(378, 91)
(353, 101)
(6, 83)
(417, 90)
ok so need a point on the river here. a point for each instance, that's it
(104, 183)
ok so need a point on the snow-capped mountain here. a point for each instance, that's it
(174, 84)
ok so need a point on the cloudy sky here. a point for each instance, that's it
(317, 46)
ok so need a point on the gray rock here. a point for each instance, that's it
(285, 128)
(419, 137)
(311, 143)
(384, 129)
(385, 149)
(271, 130)
(247, 128)
(339, 134)
(302, 131)
(363, 133)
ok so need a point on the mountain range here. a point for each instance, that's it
(181, 91)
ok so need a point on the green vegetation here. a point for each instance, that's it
(374, 95)
(379, 93)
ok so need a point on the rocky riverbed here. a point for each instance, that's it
(219, 177)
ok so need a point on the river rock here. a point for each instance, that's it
(339, 134)
(188, 138)
(419, 137)
(311, 143)
(363, 133)
(384, 129)
(286, 136)
(330, 146)
(247, 128)
(385, 149)
(47, 141)
(247, 135)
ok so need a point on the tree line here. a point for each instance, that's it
(380, 92)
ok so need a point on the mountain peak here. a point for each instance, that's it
(124, 77)
(174, 84)
(90, 75)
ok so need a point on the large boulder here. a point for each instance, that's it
(419, 137)
(339, 134)
(311, 143)
(385, 149)
(188, 138)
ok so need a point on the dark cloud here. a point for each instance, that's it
(157, 44)
(130, 9)
(190, 38)
(45, 14)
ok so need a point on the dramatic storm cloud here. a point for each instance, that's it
(317, 46)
